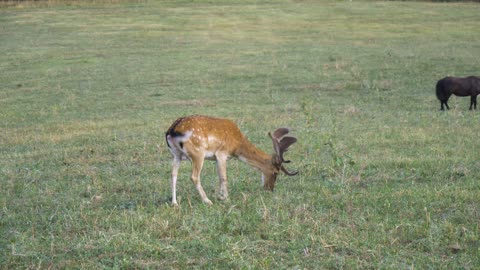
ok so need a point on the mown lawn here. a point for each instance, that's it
(387, 181)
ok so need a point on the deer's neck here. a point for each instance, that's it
(255, 157)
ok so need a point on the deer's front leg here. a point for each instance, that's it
(197, 164)
(222, 177)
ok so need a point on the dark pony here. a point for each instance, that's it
(462, 87)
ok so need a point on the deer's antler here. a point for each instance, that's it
(281, 142)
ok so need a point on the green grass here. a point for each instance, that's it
(386, 181)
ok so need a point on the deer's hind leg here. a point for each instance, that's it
(197, 165)
(175, 166)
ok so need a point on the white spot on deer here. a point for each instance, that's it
(209, 154)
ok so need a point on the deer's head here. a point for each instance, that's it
(281, 142)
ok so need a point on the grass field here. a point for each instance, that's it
(387, 181)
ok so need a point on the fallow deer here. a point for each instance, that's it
(199, 137)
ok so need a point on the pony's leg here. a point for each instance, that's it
(446, 100)
(472, 101)
(442, 102)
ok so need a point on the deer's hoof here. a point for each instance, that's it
(207, 201)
